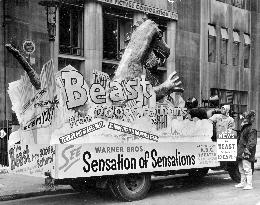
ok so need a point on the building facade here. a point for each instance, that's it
(214, 43)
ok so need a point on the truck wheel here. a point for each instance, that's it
(200, 172)
(130, 187)
(234, 173)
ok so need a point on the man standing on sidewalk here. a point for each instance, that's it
(246, 150)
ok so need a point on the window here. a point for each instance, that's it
(243, 4)
(238, 3)
(224, 46)
(239, 106)
(235, 52)
(70, 30)
(63, 62)
(117, 23)
(211, 44)
(246, 50)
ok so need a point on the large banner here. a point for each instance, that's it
(109, 159)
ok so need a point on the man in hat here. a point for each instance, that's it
(246, 150)
(223, 121)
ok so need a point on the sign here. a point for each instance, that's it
(142, 7)
(2, 134)
(28, 47)
(227, 147)
(31, 160)
(116, 158)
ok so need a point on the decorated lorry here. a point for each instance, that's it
(111, 132)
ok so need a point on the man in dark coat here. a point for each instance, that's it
(246, 150)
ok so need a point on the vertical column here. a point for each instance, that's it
(2, 65)
(56, 44)
(171, 41)
(93, 38)
(204, 71)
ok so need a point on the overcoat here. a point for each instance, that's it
(247, 141)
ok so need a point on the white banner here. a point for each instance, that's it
(109, 159)
(32, 160)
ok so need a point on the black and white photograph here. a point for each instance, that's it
(143, 102)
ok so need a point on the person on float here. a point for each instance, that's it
(223, 122)
(246, 150)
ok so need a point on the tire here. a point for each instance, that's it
(130, 187)
(234, 173)
(198, 173)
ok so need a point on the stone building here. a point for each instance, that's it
(214, 43)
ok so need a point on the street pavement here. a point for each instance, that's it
(211, 190)
(13, 186)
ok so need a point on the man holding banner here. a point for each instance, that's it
(246, 150)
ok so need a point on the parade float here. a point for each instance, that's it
(113, 132)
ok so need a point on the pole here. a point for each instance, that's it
(52, 55)
(4, 41)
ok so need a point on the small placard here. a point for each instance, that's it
(227, 146)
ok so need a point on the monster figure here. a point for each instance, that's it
(145, 47)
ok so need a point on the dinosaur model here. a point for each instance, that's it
(146, 44)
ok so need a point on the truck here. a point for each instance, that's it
(108, 132)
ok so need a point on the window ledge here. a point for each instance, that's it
(110, 61)
(71, 57)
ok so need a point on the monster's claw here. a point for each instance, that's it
(178, 83)
(171, 75)
(179, 89)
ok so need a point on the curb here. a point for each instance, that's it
(65, 191)
(217, 172)
(35, 194)
(3, 171)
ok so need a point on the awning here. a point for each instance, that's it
(212, 30)
(224, 33)
(236, 36)
(247, 39)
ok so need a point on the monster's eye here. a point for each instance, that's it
(159, 36)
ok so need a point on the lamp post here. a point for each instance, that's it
(51, 7)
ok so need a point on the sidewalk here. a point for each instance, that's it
(14, 186)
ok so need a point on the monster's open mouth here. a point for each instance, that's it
(161, 55)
